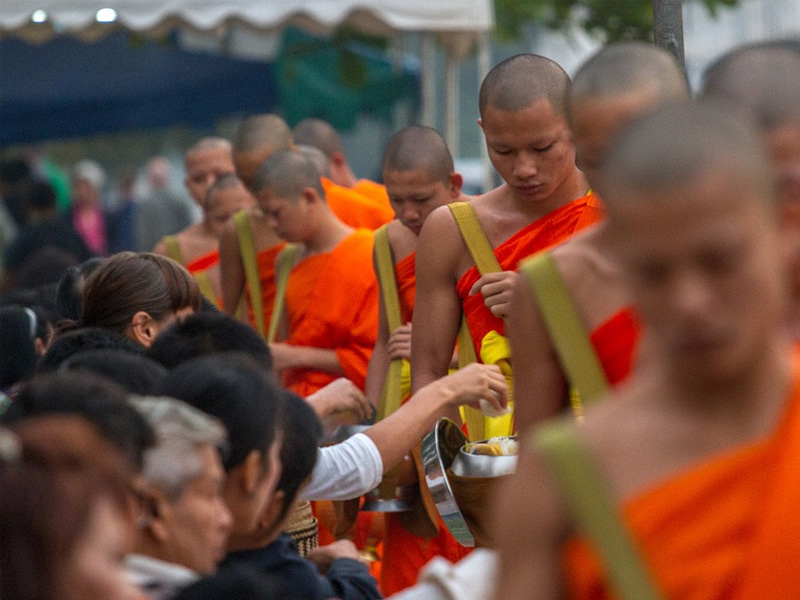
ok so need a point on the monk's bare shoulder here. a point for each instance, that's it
(441, 245)
(402, 240)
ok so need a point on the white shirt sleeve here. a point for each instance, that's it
(344, 471)
(472, 578)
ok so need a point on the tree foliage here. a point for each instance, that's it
(613, 19)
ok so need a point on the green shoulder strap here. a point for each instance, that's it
(173, 248)
(206, 286)
(391, 394)
(483, 256)
(283, 268)
(593, 509)
(570, 340)
(247, 249)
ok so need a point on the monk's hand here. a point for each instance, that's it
(399, 345)
(497, 290)
(475, 383)
(341, 396)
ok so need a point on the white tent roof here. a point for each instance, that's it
(78, 17)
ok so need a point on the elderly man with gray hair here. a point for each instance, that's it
(184, 524)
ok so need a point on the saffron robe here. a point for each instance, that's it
(332, 303)
(354, 209)
(265, 262)
(615, 342)
(726, 528)
(374, 191)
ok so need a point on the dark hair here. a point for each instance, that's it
(69, 292)
(130, 282)
(235, 390)
(239, 582)
(45, 267)
(79, 340)
(134, 372)
(95, 398)
(41, 196)
(18, 328)
(302, 433)
(208, 333)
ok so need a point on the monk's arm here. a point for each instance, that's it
(437, 309)
(530, 526)
(231, 269)
(379, 361)
(540, 387)
(288, 356)
(160, 248)
(395, 435)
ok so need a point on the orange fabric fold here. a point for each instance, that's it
(332, 303)
(551, 229)
(354, 209)
(265, 261)
(724, 529)
(615, 341)
(406, 275)
(201, 263)
(374, 191)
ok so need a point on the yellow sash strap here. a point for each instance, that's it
(485, 260)
(247, 249)
(391, 394)
(568, 335)
(173, 249)
(284, 267)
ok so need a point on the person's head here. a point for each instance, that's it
(225, 198)
(764, 78)
(69, 292)
(620, 82)
(522, 104)
(302, 433)
(20, 344)
(289, 192)
(321, 135)
(137, 374)
(64, 512)
(186, 521)
(205, 161)
(45, 267)
(419, 175)
(692, 215)
(71, 342)
(41, 201)
(239, 393)
(257, 138)
(138, 294)
(157, 172)
(88, 179)
(92, 397)
(209, 333)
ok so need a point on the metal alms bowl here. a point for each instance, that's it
(466, 464)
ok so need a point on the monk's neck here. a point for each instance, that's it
(328, 233)
(572, 188)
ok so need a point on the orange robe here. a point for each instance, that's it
(724, 529)
(265, 261)
(332, 303)
(354, 209)
(615, 342)
(204, 262)
(551, 229)
(374, 191)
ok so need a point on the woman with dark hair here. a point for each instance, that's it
(23, 337)
(138, 294)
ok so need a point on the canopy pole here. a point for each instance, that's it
(428, 80)
(668, 28)
(484, 66)
(452, 113)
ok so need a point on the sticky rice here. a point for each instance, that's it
(496, 446)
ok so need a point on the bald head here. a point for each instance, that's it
(521, 81)
(208, 143)
(318, 158)
(678, 144)
(227, 181)
(629, 67)
(319, 134)
(262, 131)
(419, 149)
(286, 174)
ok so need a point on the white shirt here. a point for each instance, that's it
(157, 578)
(344, 471)
(472, 578)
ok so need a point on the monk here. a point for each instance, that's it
(321, 135)
(420, 177)
(197, 246)
(699, 451)
(331, 318)
(620, 83)
(248, 239)
(544, 200)
(765, 79)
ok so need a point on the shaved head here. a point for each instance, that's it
(629, 67)
(678, 144)
(317, 158)
(319, 134)
(287, 173)
(224, 182)
(763, 78)
(419, 149)
(521, 81)
(262, 131)
(209, 143)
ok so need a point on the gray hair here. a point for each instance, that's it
(90, 172)
(174, 461)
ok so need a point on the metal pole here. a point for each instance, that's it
(668, 28)
(484, 65)
(452, 116)
(428, 80)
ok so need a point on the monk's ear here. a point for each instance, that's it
(143, 328)
(310, 195)
(337, 160)
(480, 124)
(456, 182)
